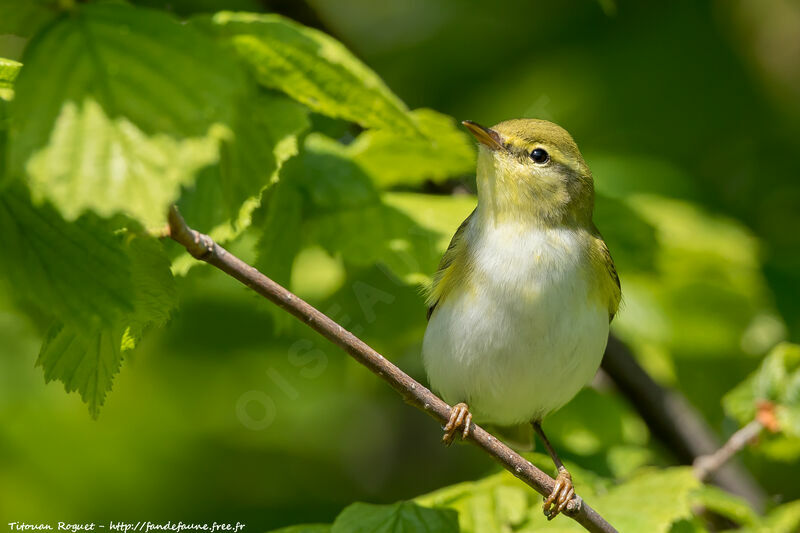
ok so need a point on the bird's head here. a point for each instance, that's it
(532, 171)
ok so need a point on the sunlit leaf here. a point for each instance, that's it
(9, 70)
(651, 501)
(403, 517)
(111, 166)
(440, 214)
(490, 505)
(312, 68)
(133, 116)
(391, 159)
(501, 502)
(8, 73)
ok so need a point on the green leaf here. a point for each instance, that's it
(789, 419)
(312, 68)
(264, 137)
(279, 242)
(595, 423)
(693, 525)
(141, 104)
(154, 293)
(329, 200)
(403, 517)
(706, 294)
(3, 140)
(9, 69)
(776, 372)
(329, 177)
(782, 519)
(491, 505)
(110, 166)
(270, 120)
(190, 7)
(8, 73)
(348, 217)
(649, 502)
(24, 18)
(777, 380)
(87, 359)
(103, 288)
(378, 234)
(344, 213)
(441, 215)
(84, 360)
(392, 159)
(501, 502)
(725, 504)
(78, 271)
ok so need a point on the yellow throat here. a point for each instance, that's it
(531, 176)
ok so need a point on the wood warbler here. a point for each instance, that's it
(520, 307)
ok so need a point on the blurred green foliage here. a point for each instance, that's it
(774, 388)
(286, 133)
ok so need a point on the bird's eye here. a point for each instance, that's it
(540, 156)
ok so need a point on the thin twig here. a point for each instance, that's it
(675, 422)
(707, 464)
(204, 248)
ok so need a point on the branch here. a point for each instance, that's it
(673, 420)
(202, 247)
(707, 464)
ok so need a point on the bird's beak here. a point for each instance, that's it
(486, 136)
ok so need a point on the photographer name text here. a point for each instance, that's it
(127, 527)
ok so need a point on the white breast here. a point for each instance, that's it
(524, 335)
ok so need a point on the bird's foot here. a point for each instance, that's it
(459, 417)
(563, 491)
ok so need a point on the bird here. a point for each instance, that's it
(520, 307)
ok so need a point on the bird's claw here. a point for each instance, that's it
(460, 417)
(563, 491)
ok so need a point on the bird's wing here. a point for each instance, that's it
(608, 273)
(444, 279)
